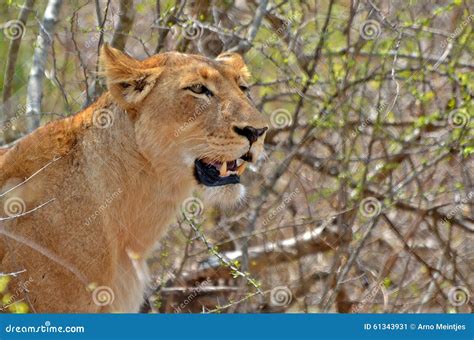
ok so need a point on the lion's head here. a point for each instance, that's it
(193, 116)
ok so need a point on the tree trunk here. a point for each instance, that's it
(35, 81)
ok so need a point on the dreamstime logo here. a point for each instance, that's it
(368, 299)
(459, 296)
(192, 207)
(14, 29)
(222, 108)
(199, 111)
(449, 41)
(96, 36)
(210, 45)
(280, 296)
(281, 118)
(380, 107)
(21, 110)
(279, 33)
(103, 118)
(370, 207)
(13, 297)
(103, 296)
(370, 29)
(458, 119)
(14, 206)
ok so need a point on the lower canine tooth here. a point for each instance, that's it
(223, 169)
(241, 168)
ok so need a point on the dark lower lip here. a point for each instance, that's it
(209, 176)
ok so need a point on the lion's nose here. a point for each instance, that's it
(250, 132)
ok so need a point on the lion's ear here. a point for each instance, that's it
(236, 61)
(127, 80)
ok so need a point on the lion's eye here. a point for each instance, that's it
(244, 88)
(200, 89)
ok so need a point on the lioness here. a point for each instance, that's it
(86, 198)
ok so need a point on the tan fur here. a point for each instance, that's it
(114, 189)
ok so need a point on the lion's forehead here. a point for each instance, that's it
(177, 59)
(190, 65)
(208, 76)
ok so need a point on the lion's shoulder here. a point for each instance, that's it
(36, 149)
(55, 139)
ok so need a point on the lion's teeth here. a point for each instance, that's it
(240, 161)
(223, 169)
(241, 168)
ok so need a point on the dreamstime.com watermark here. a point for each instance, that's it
(14, 296)
(280, 32)
(200, 109)
(453, 212)
(199, 287)
(14, 206)
(192, 207)
(449, 41)
(286, 200)
(46, 328)
(370, 29)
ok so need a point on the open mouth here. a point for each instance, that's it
(214, 174)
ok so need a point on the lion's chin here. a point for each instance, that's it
(226, 196)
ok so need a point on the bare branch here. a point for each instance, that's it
(12, 56)
(124, 24)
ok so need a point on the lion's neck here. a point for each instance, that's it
(141, 200)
